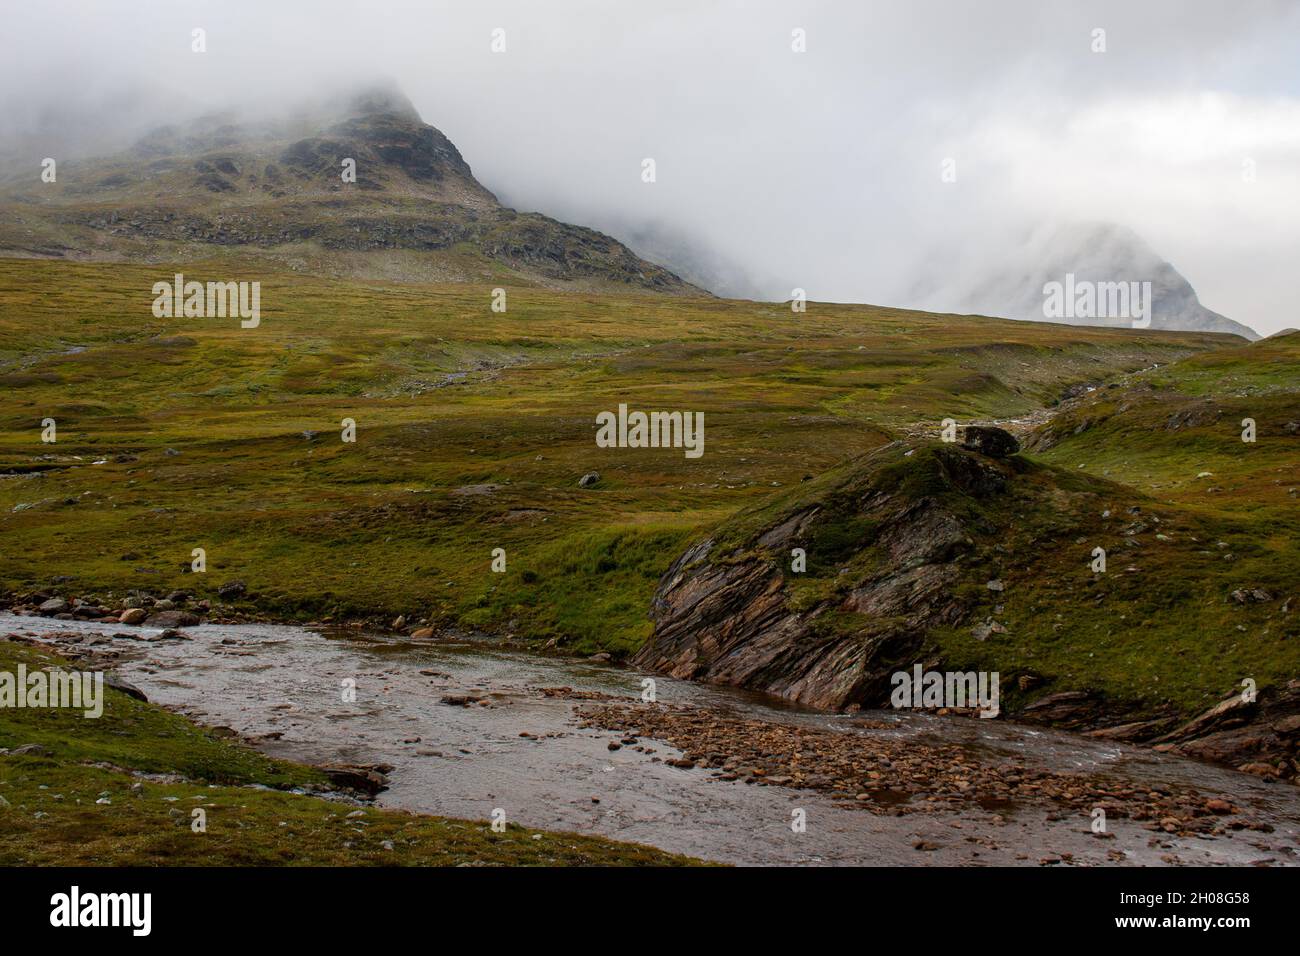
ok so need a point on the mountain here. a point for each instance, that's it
(1093, 252)
(273, 193)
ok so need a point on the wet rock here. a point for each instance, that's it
(363, 779)
(897, 775)
(1134, 730)
(1238, 732)
(1228, 713)
(173, 619)
(1287, 726)
(1070, 708)
(135, 615)
(111, 679)
(53, 606)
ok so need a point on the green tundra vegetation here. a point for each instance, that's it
(473, 428)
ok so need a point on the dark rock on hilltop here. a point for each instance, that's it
(994, 442)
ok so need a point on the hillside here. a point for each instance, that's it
(934, 552)
(474, 429)
(270, 195)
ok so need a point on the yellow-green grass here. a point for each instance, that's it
(121, 790)
(446, 395)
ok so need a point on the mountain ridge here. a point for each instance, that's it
(274, 191)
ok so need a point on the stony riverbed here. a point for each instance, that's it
(465, 728)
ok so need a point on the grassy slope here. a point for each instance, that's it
(1169, 632)
(50, 812)
(1160, 629)
(447, 394)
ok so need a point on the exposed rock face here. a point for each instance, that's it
(1259, 735)
(897, 545)
(730, 617)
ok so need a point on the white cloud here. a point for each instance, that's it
(818, 169)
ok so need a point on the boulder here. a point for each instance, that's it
(232, 590)
(368, 780)
(993, 442)
(117, 683)
(169, 619)
(54, 606)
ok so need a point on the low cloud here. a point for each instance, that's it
(776, 169)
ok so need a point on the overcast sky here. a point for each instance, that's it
(820, 169)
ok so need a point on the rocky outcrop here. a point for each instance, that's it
(821, 597)
(1257, 734)
(734, 615)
